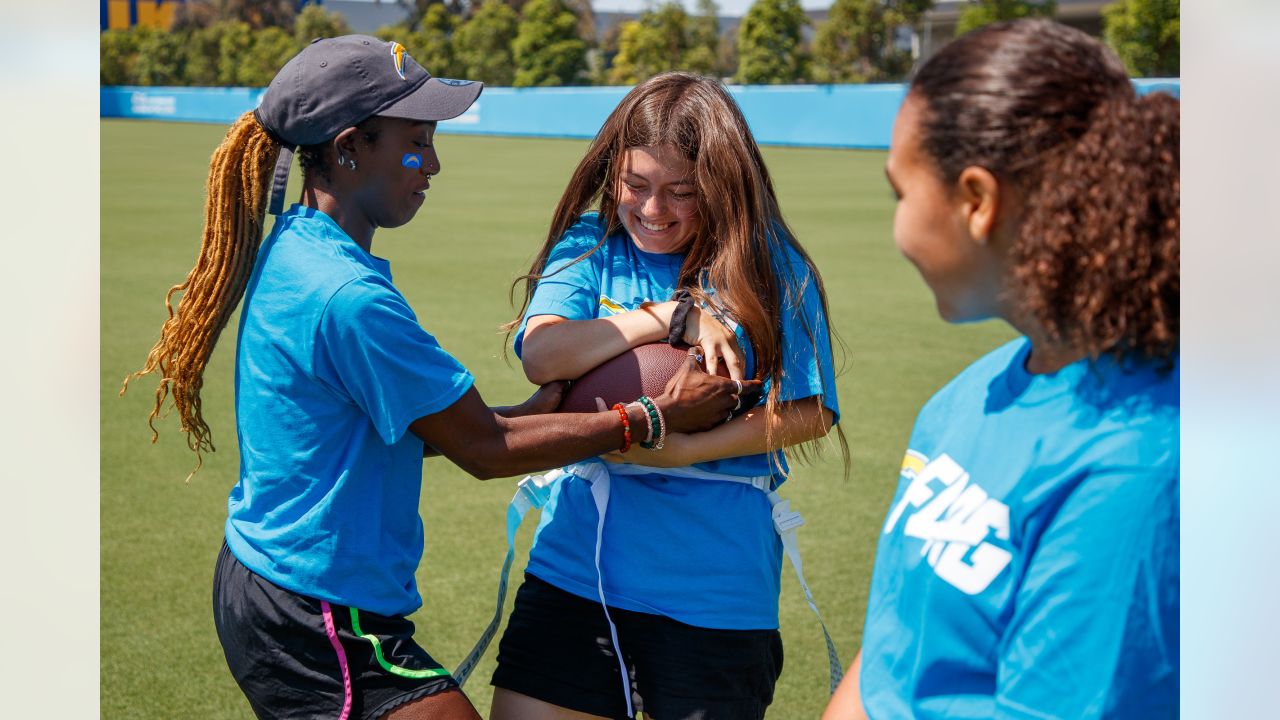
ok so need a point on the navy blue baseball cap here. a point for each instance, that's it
(335, 83)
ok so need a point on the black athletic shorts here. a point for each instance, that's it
(557, 649)
(298, 657)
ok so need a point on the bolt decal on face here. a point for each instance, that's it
(412, 161)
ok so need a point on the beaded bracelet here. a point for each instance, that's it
(662, 430)
(658, 421)
(648, 420)
(652, 419)
(626, 427)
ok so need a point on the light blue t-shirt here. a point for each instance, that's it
(331, 368)
(1028, 566)
(702, 552)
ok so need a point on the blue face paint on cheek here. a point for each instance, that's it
(413, 161)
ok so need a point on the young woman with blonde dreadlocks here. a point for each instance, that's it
(678, 567)
(339, 390)
(1028, 567)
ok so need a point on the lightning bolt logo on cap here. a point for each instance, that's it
(397, 56)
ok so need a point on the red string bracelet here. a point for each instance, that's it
(626, 427)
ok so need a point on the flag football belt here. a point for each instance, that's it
(534, 491)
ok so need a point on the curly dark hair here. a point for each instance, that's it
(1051, 111)
(313, 161)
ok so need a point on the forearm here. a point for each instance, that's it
(566, 349)
(504, 411)
(540, 442)
(487, 445)
(792, 423)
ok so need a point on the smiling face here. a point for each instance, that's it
(657, 201)
(934, 223)
(394, 170)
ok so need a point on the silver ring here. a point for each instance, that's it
(737, 384)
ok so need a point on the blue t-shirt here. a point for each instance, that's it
(1028, 566)
(331, 368)
(703, 552)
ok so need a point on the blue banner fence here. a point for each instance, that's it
(841, 116)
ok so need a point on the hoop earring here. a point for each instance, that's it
(342, 161)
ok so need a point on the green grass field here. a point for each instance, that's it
(483, 220)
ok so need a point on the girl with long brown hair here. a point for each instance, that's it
(1028, 566)
(676, 568)
(340, 392)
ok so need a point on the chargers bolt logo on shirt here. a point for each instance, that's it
(412, 161)
(613, 306)
(397, 56)
(954, 517)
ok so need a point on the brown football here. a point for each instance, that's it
(643, 370)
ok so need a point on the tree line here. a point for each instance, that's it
(532, 43)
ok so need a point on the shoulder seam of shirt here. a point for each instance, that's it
(324, 312)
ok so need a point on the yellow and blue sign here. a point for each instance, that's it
(123, 14)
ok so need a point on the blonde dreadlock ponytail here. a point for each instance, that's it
(235, 208)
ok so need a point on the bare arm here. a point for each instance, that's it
(487, 444)
(793, 423)
(846, 703)
(559, 349)
(544, 400)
